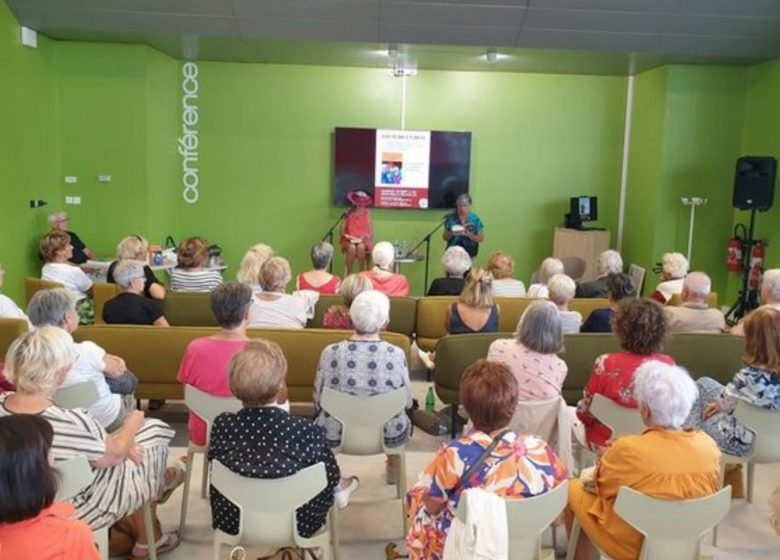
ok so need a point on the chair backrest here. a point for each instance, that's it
(32, 285)
(362, 418)
(544, 419)
(78, 395)
(10, 330)
(622, 421)
(101, 293)
(637, 275)
(207, 407)
(267, 506)
(574, 267)
(764, 422)
(75, 475)
(403, 313)
(672, 528)
(189, 309)
(527, 519)
(712, 300)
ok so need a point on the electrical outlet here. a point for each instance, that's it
(104, 178)
(70, 179)
(76, 200)
(68, 200)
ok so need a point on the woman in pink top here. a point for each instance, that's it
(205, 362)
(357, 231)
(319, 279)
(532, 355)
(382, 276)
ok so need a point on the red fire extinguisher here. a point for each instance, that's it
(734, 260)
(756, 262)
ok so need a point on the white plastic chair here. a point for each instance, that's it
(267, 508)
(75, 474)
(623, 421)
(637, 274)
(527, 519)
(207, 407)
(78, 395)
(551, 421)
(672, 528)
(363, 427)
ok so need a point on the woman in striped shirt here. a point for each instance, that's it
(190, 274)
(129, 465)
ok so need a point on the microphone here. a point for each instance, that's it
(447, 216)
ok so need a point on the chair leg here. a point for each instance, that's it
(574, 540)
(334, 532)
(149, 524)
(751, 472)
(101, 539)
(204, 483)
(554, 539)
(401, 488)
(453, 429)
(186, 493)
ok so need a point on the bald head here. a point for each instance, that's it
(696, 287)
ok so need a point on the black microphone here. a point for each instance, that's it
(448, 216)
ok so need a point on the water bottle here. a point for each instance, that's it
(430, 400)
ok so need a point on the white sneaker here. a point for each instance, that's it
(342, 495)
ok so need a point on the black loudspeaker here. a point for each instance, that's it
(754, 183)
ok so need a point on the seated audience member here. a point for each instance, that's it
(640, 326)
(8, 308)
(129, 465)
(502, 267)
(609, 262)
(337, 316)
(114, 384)
(666, 462)
(382, 276)
(674, 267)
(770, 296)
(694, 315)
(532, 356)
(519, 466)
(365, 365)
(264, 441)
(136, 248)
(56, 250)
(456, 263)
(319, 279)
(549, 268)
(619, 286)
(474, 311)
(60, 223)
(32, 524)
(190, 274)
(251, 263)
(757, 383)
(272, 308)
(561, 290)
(131, 307)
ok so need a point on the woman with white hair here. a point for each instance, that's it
(59, 222)
(253, 260)
(382, 276)
(129, 465)
(532, 355)
(136, 248)
(456, 263)
(608, 262)
(502, 267)
(549, 268)
(364, 365)
(131, 307)
(561, 291)
(674, 268)
(770, 296)
(665, 461)
(319, 279)
(273, 308)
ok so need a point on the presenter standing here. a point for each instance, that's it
(357, 231)
(464, 228)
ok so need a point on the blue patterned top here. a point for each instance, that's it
(363, 368)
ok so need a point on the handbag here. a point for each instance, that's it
(125, 384)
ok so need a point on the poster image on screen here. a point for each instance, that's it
(409, 169)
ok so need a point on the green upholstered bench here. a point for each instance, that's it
(403, 313)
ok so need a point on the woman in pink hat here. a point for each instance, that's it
(356, 231)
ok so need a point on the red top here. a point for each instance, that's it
(51, 535)
(391, 285)
(612, 376)
(337, 317)
(329, 287)
(357, 224)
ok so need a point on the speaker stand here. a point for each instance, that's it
(747, 300)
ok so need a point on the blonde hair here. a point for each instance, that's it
(52, 243)
(501, 265)
(132, 248)
(561, 288)
(549, 268)
(275, 274)
(478, 289)
(193, 252)
(35, 358)
(253, 261)
(257, 372)
(353, 285)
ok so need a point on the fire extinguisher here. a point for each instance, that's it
(756, 262)
(734, 259)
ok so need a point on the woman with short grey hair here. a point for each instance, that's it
(532, 356)
(365, 365)
(131, 307)
(319, 279)
(456, 262)
(608, 262)
(273, 308)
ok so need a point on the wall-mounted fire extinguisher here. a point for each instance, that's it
(734, 259)
(756, 262)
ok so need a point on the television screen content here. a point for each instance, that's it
(411, 169)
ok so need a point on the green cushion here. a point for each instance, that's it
(189, 309)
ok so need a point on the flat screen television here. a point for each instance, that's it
(411, 169)
(582, 209)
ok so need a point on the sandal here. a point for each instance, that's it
(167, 542)
(176, 481)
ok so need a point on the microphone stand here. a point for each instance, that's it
(427, 241)
(329, 236)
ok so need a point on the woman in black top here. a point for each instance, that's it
(59, 221)
(619, 286)
(136, 248)
(456, 263)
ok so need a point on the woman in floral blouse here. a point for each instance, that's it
(641, 327)
(520, 466)
(758, 383)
